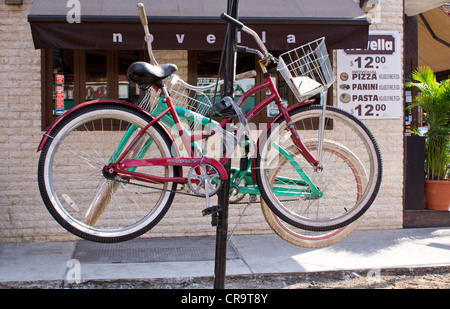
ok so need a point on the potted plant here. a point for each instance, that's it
(434, 99)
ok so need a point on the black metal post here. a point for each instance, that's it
(223, 194)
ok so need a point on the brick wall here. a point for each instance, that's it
(23, 216)
(387, 210)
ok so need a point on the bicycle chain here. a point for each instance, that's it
(165, 190)
(181, 192)
(151, 187)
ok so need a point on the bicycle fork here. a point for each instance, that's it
(323, 102)
(312, 190)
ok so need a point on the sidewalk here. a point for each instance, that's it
(188, 257)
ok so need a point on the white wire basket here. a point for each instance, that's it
(307, 69)
(191, 98)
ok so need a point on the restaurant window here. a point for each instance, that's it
(70, 77)
(96, 79)
(204, 66)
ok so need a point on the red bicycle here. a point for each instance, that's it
(109, 170)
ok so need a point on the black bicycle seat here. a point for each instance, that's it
(144, 74)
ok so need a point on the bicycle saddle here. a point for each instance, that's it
(144, 74)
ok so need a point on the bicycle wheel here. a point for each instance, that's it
(305, 238)
(318, 239)
(324, 198)
(74, 188)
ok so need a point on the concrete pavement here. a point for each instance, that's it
(188, 257)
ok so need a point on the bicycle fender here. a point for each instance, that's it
(298, 105)
(94, 102)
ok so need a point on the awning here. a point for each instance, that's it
(415, 7)
(434, 40)
(194, 24)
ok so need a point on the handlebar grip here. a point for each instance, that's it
(142, 14)
(231, 20)
(240, 48)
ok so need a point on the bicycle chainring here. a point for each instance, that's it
(204, 179)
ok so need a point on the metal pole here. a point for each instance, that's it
(223, 194)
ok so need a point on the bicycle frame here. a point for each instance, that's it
(275, 97)
(171, 116)
(127, 167)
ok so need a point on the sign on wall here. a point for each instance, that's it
(59, 94)
(369, 81)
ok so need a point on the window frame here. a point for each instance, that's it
(112, 76)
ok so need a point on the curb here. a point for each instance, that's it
(246, 281)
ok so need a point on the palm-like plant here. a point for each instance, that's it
(435, 102)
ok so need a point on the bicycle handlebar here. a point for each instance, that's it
(249, 50)
(247, 30)
(142, 14)
(248, 74)
(231, 20)
(144, 23)
(264, 55)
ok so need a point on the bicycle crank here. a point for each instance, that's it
(204, 180)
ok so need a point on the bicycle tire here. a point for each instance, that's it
(316, 239)
(305, 238)
(329, 210)
(72, 183)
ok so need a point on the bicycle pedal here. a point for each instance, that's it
(211, 210)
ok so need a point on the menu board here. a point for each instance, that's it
(369, 81)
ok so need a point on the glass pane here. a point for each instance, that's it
(127, 91)
(96, 78)
(207, 69)
(63, 80)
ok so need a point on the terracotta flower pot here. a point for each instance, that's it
(437, 194)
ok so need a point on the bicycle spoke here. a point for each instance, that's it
(89, 203)
(344, 178)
